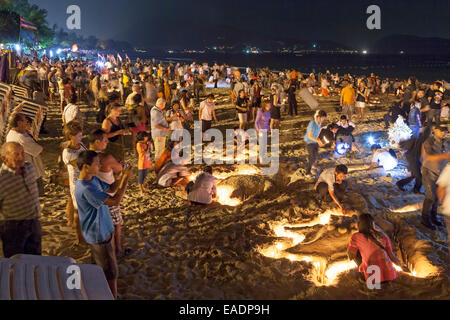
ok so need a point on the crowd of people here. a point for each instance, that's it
(150, 100)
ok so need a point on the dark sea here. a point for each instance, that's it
(425, 68)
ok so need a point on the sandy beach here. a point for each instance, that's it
(277, 243)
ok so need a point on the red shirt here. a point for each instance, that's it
(68, 91)
(373, 255)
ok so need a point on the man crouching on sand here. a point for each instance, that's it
(204, 190)
(95, 219)
(332, 183)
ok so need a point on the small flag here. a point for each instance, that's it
(27, 24)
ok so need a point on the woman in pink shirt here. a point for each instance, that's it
(375, 250)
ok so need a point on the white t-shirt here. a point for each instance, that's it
(444, 181)
(175, 124)
(207, 109)
(68, 156)
(385, 159)
(328, 177)
(42, 74)
(72, 112)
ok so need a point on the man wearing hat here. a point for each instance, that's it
(434, 160)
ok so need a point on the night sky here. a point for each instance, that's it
(168, 22)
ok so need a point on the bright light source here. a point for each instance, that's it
(58, 51)
(364, 52)
(314, 45)
(371, 140)
(18, 48)
(100, 64)
(342, 148)
(51, 53)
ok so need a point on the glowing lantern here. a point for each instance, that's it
(224, 195)
(342, 148)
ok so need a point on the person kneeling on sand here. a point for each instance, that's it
(332, 183)
(96, 222)
(370, 246)
(328, 135)
(204, 189)
(383, 157)
(170, 174)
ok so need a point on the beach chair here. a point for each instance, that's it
(28, 277)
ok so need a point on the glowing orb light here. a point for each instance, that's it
(100, 64)
(342, 148)
(371, 140)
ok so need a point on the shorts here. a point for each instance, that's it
(275, 113)
(257, 103)
(142, 174)
(347, 109)
(360, 104)
(116, 215)
(242, 117)
(21, 236)
(206, 125)
(104, 255)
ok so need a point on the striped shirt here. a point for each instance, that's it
(19, 197)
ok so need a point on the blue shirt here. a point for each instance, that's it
(95, 219)
(314, 129)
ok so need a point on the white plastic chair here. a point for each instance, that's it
(28, 277)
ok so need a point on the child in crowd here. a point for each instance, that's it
(144, 148)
